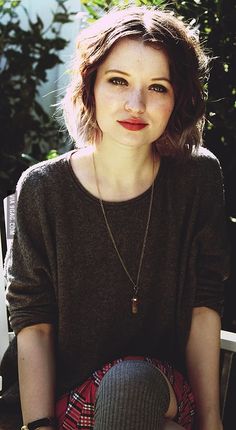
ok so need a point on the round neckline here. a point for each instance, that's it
(92, 197)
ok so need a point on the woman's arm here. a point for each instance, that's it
(36, 372)
(202, 355)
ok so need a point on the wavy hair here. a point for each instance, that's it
(188, 70)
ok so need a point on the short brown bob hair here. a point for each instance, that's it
(188, 70)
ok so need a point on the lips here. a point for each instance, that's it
(133, 124)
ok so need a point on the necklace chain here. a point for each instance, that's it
(134, 300)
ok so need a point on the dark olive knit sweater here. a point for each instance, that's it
(63, 269)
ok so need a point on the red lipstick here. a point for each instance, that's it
(133, 124)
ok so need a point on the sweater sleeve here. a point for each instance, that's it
(211, 240)
(30, 294)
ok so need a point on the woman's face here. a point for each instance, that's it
(134, 97)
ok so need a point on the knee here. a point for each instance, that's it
(136, 376)
(133, 394)
(132, 372)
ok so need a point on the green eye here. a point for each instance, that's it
(158, 88)
(118, 81)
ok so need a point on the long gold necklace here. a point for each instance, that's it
(134, 300)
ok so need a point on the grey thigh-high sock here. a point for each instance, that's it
(133, 395)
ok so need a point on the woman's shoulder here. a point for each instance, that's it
(203, 156)
(200, 171)
(43, 171)
(206, 165)
(201, 163)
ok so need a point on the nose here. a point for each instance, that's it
(135, 102)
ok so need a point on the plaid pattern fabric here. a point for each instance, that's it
(75, 410)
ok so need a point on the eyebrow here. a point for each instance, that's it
(161, 78)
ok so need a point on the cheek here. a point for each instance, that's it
(104, 98)
(167, 107)
(169, 110)
(104, 105)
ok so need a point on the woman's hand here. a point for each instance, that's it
(210, 422)
(212, 425)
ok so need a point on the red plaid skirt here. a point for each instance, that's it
(75, 410)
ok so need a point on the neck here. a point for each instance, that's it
(124, 164)
(124, 173)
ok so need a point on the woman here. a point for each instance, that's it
(116, 270)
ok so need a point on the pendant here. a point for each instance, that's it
(134, 305)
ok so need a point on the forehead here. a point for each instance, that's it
(135, 55)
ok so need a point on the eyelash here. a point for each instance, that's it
(118, 81)
(158, 88)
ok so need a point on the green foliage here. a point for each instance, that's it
(216, 24)
(216, 20)
(27, 131)
(96, 8)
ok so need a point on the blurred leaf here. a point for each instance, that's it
(15, 3)
(51, 60)
(62, 18)
(53, 153)
(40, 111)
(59, 43)
(27, 157)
